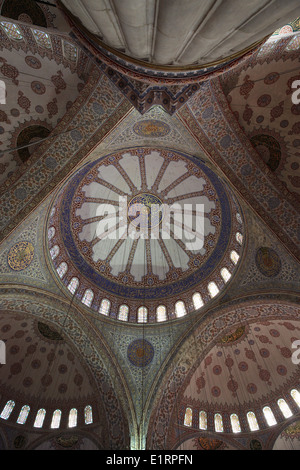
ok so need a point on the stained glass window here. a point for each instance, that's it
(268, 414)
(213, 289)
(218, 423)
(226, 275)
(161, 313)
(123, 313)
(197, 300)
(235, 423)
(203, 420)
(42, 38)
(51, 233)
(39, 420)
(62, 269)
(54, 251)
(73, 285)
(284, 408)
(104, 307)
(88, 297)
(12, 31)
(56, 417)
(70, 52)
(234, 257)
(180, 309)
(188, 417)
(296, 396)
(73, 418)
(252, 421)
(239, 238)
(142, 315)
(23, 414)
(88, 415)
(6, 412)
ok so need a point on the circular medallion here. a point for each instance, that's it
(151, 128)
(140, 353)
(268, 262)
(20, 256)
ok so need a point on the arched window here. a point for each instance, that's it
(87, 299)
(235, 423)
(234, 256)
(252, 421)
(23, 414)
(56, 417)
(12, 30)
(54, 251)
(284, 408)
(51, 233)
(73, 418)
(188, 417)
(104, 307)
(142, 315)
(6, 412)
(197, 301)
(218, 423)
(73, 285)
(39, 419)
(239, 238)
(62, 269)
(88, 415)
(226, 275)
(203, 420)
(180, 310)
(70, 52)
(161, 313)
(296, 396)
(42, 38)
(213, 289)
(268, 414)
(123, 313)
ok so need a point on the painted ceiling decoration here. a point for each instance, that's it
(149, 225)
(152, 270)
(170, 33)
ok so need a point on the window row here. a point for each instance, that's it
(251, 418)
(42, 38)
(142, 314)
(41, 414)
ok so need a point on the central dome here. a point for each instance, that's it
(144, 225)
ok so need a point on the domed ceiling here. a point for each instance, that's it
(181, 34)
(147, 225)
